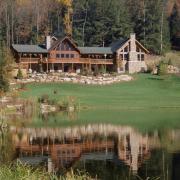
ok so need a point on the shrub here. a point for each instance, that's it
(44, 98)
(4, 83)
(22, 86)
(150, 68)
(170, 62)
(69, 103)
(162, 68)
(96, 71)
(103, 69)
(19, 74)
(55, 91)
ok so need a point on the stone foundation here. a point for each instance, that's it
(136, 66)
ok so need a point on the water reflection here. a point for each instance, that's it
(77, 146)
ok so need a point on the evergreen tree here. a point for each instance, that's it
(3, 82)
(6, 65)
(175, 26)
(150, 23)
(104, 22)
(4, 85)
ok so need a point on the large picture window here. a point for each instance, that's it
(67, 56)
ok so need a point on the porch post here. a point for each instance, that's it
(30, 62)
(20, 59)
(72, 67)
(62, 67)
(53, 66)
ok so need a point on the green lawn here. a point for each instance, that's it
(149, 102)
(146, 91)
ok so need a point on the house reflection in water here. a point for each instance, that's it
(62, 147)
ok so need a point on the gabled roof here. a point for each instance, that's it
(142, 46)
(61, 40)
(23, 48)
(95, 50)
(118, 44)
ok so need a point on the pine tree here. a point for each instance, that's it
(4, 84)
(175, 26)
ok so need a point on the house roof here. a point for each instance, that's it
(142, 46)
(118, 44)
(23, 48)
(95, 50)
(61, 40)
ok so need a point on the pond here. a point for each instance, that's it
(108, 144)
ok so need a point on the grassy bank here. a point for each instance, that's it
(23, 172)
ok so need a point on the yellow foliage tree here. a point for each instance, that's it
(67, 4)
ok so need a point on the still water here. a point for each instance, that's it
(105, 150)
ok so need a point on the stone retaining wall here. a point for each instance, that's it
(73, 78)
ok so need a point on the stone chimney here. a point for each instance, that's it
(133, 53)
(133, 42)
(48, 42)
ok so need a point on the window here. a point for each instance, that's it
(72, 55)
(126, 57)
(139, 57)
(126, 49)
(62, 56)
(137, 49)
(52, 55)
(121, 57)
(57, 55)
(142, 57)
(62, 47)
(67, 55)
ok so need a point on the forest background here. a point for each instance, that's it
(92, 22)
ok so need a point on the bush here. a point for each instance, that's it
(103, 69)
(69, 103)
(44, 98)
(170, 62)
(4, 83)
(96, 71)
(162, 68)
(19, 74)
(22, 86)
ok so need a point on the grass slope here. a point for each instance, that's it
(149, 102)
(146, 91)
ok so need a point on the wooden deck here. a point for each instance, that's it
(67, 61)
(81, 61)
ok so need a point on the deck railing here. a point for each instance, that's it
(69, 60)
(81, 61)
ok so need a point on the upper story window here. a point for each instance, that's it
(142, 57)
(126, 57)
(58, 56)
(126, 49)
(139, 57)
(67, 55)
(137, 49)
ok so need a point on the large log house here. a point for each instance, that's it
(63, 55)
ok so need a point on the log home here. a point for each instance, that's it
(63, 55)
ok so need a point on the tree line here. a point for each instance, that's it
(90, 22)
